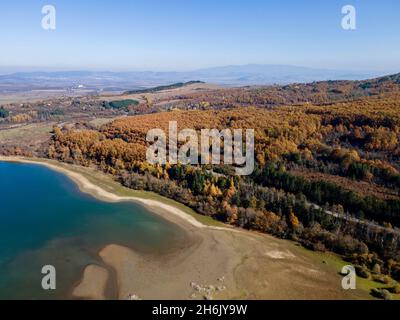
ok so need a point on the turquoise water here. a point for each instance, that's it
(46, 220)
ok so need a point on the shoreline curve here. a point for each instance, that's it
(99, 193)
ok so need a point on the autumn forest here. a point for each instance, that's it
(327, 161)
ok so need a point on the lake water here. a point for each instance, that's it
(46, 220)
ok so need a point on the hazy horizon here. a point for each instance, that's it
(233, 75)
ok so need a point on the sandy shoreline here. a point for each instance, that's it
(88, 187)
(213, 262)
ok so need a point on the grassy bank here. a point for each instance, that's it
(337, 263)
(107, 183)
(327, 261)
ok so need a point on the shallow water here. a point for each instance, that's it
(46, 220)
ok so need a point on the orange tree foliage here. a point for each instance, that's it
(357, 140)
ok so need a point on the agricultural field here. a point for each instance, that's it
(327, 171)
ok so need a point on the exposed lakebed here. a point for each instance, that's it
(46, 220)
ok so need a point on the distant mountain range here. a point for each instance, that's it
(229, 75)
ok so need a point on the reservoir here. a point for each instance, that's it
(46, 220)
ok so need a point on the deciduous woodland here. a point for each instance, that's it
(327, 163)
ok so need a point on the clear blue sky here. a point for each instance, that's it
(182, 35)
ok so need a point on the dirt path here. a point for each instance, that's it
(212, 262)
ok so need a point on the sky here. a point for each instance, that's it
(124, 35)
